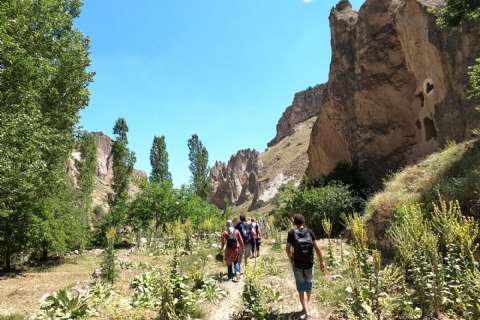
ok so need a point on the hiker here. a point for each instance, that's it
(248, 235)
(232, 245)
(303, 242)
(257, 239)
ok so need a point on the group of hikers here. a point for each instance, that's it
(242, 238)
(240, 241)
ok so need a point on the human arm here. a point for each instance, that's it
(240, 239)
(288, 250)
(222, 245)
(319, 254)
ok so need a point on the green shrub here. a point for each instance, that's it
(109, 271)
(62, 305)
(258, 298)
(330, 201)
(13, 317)
(147, 289)
(437, 250)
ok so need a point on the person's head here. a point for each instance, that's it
(228, 224)
(252, 219)
(243, 218)
(235, 221)
(298, 219)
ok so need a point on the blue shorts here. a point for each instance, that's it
(303, 279)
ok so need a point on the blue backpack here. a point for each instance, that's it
(246, 231)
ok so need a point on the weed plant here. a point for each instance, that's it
(109, 272)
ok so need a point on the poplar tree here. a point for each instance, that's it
(122, 162)
(198, 156)
(159, 160)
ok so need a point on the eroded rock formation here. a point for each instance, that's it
(306, 104)
(104, 174)
(237, 181)
(397, 88)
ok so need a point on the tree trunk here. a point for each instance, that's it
(8, 260)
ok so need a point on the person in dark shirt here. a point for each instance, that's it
(301, 244)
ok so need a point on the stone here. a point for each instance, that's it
(306, 104)
(104, 174)
(397, 88)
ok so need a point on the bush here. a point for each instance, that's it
(331, 201)
(62, 305)
(258, 298)
(109, 272)
(437, 250)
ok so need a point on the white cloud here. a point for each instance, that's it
(307, 1)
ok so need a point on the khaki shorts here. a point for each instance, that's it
(247, 252)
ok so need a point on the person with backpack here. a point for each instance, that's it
(257, 239)
(248, 235)
(303, 242)
(232, 245)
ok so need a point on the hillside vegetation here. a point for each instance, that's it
(453, 174)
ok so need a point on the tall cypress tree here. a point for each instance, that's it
(123, 162)
(198, 157)
(159, 160)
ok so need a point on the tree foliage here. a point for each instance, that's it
(159, 160)
(198, 156)
(123, 162)
(43, 86)
(453, 12)
(331, 201)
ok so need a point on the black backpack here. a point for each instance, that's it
(303, 249)
(232, 240)
(246, 231)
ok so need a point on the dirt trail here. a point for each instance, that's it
(231, 303)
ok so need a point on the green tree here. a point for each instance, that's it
(452, 14)
(43, 86)
(159, 160)
(198, 156)
(123, 162)
(156, 204)
(87, 167)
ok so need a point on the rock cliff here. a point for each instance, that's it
(251, 178)
(104, 174)
(397, 88)
(236, 181)
(306, 104)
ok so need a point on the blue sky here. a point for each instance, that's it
(223, 69)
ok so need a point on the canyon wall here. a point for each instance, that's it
(104, 174)
(397, 88)
(306, 104)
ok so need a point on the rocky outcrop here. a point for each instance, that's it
(251, 178)
(306, 104)
(104, 174)
(237, 181)
(397, 88)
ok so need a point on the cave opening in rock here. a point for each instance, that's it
(422, 98)
(430, 130)
(429, 87)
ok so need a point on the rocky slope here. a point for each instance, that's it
(104, 175)
(397, 88)
(236, 181)
(306, 104)
(251, 178)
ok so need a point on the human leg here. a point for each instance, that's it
(230, 271)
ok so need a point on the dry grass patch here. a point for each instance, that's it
(21, 293)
